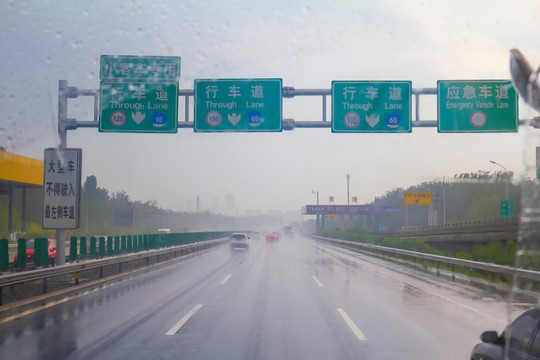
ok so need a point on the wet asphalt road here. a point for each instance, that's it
(294, 299)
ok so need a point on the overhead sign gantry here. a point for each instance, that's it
(351, 209)
(140, 94)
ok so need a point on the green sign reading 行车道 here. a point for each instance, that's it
(139, 106)
(371, 106)
(477, 106)
(131, 67)
(238, 105)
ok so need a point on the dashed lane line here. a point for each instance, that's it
(183, 320)
(226, 279)
(319, 283)
(356, 331)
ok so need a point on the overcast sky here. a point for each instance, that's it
(306, 43)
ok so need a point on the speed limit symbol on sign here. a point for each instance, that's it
(351, 119)
(118, 118)
(213, 118)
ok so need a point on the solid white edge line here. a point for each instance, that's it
(317, 281)
(352, 325)
(226, 279)
(184, 320)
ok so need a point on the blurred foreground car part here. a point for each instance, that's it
(520, 340)
(525, 79)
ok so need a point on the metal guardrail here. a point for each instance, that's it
(472, 226)
(491, 268)
(76, 268)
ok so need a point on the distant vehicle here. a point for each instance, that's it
(164, 231)
(239, 240)
(30, 251)
(520, 339)
(273, 236)
(287, 230)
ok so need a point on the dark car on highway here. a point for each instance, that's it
(272, 237)
(520, 340)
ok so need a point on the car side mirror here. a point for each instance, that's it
(489, 337)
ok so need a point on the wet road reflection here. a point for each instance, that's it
(293, 298)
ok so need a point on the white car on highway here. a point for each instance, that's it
(239, 240)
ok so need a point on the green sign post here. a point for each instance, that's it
(238, 105)
(371, 106)
(139, 94)
(477, 106)
(507, 209)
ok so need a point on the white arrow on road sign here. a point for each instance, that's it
(234, 118)
(372, 119)
(138, 117)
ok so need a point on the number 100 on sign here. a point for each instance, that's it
(371, 106)
(352, 120)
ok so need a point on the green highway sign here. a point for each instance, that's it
(507, 209)
(371, 106)
(139, 106)
(477, 106)
(129, 67)
(238, 105)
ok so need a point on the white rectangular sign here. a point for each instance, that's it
(61, 188)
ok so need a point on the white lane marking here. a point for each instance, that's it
(440, 296)
(359, 334)
(226, 279)
(318, 281)
(184, 320)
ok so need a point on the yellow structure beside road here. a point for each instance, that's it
(20, 169)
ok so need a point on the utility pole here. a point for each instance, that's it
(317, 222)
(348, 197)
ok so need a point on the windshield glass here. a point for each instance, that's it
(388, 153)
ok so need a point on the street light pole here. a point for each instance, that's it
(444, 202)
(348, 197)
(506, 182)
